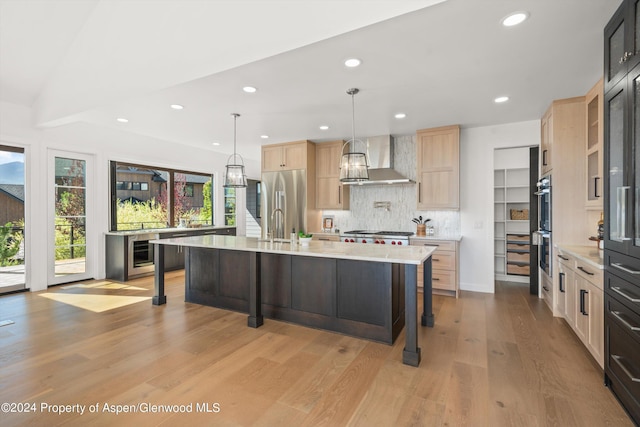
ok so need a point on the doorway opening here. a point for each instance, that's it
(12, 224)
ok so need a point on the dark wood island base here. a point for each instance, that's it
(366, 299)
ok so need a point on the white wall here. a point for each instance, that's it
(104, 145)
(477, 147)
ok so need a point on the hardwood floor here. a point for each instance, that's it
(490, 360)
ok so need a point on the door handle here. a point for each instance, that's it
(419, 192)
(617, 290)
(544, 158)
(339, 195)
(618, 360)
(617, 314)
(582, 303)
(561, 277)
(625, 269)
(595, 186)
(585, 271)
(621, 206)
(563, 257)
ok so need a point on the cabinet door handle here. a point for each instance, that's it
(435, 259)
(617, 314)
(180, 235)
(585, 270)
(563, 257)
(210, 232)
(625, 269)
(618, 360)
(617, 290)
(621, 206)
(595, 186)
(545, 288)
(339, 195)
(544, 158)
(561, 277)
(435, 278)
(419, 192)
(430, 244)
(582, 304)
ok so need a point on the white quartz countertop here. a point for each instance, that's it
(164, 230)
(436, 237)
(588, 254)
(316, 248)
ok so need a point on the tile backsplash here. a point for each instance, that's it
(391, 207)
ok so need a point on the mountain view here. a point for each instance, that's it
(12, 173)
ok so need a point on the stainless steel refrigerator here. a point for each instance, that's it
(284, 203)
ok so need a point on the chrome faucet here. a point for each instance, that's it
(278, 232)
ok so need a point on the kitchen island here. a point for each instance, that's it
(367, 291)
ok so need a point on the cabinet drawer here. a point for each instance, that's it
(518, 247)
(518, 238)
(623, 266)
(517, 256)
(443, 280)
(566, 259)
(623, 362)
(518, 269)
(590, 273)
(626, 318)
(443, 260)
(623, 291)
(442, 245)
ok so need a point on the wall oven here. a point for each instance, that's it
(542, 237)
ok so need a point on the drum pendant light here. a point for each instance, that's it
(354, 165)
(234, 176)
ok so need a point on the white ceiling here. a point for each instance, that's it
(440, 62)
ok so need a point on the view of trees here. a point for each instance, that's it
(10, 239)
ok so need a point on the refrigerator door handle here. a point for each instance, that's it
(621, 206)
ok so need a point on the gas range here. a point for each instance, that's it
(399, 238)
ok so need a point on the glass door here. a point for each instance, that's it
(70, 242)
(616, 168)
(634, 169)
(12, 225)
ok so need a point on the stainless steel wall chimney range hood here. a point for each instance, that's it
(381, 171)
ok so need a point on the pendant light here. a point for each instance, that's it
(354, 165)
(234, 176)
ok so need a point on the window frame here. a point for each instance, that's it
(171, 217)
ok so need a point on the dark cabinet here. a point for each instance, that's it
(122, 263)
(622, 206)
(622, 43)
(174, 255)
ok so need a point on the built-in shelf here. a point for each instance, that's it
(511, 236)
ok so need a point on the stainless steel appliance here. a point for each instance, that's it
(542, 237)
(398, 238)
(140, 254)
(283, 203)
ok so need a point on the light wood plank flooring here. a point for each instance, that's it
(490, 360)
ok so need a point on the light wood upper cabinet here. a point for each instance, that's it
(288, 156)
(330, 193)
(595, 135)
(438, 168)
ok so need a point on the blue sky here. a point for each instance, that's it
(8, 157)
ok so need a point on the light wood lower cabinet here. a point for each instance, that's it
(444, 265)
(584, 302)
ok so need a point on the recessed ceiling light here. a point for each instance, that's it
(400, 116)
(324, 127)
(215, 143)
(249, 89)
(264, 136)
(122, 120)
(352, 62)
(501, 99)
(515, 19)
(177, 106)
